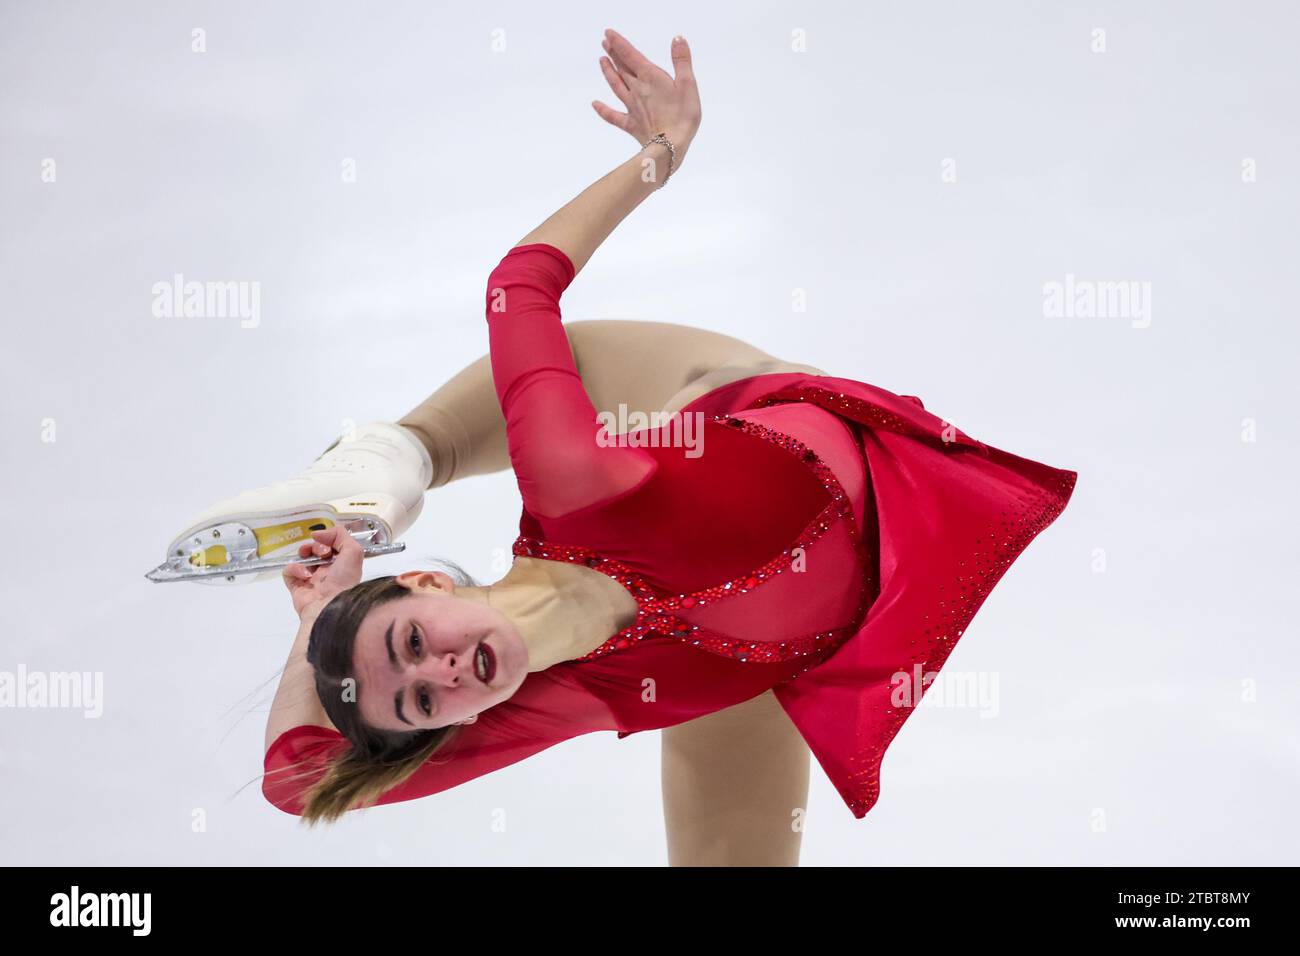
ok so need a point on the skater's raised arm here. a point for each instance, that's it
(656, 103)
(560, 450)
(645, 366)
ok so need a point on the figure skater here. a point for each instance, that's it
(779, 567)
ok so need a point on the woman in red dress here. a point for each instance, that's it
(762, 574)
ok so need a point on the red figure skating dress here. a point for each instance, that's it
(819, 537)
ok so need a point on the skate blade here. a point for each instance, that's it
(183, 570)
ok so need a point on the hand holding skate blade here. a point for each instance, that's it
(193, 567)
(332, 564)
(371, 484)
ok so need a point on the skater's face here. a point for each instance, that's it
(432, 659)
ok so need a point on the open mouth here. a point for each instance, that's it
(485, 663)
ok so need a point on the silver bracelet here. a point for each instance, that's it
(672, 154)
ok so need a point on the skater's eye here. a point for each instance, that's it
(423, 699)
(415, 641)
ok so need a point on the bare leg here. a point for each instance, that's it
(647, 366)
(462, 426)
(735, 786)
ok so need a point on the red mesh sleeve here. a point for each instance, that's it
(563, 458)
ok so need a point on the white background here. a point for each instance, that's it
(1124, 734)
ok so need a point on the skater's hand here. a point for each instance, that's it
(313, 587)
(655, 101)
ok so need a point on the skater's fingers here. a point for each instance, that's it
(337, 538)
(620, 63)
(682, 66)
(293, 574)
(328, 535)
(610, 116)
(630, 59)
(616, 82)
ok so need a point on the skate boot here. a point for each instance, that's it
(373, 484)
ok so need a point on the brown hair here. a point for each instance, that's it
(378, 760)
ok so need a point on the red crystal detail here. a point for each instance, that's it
(656, 617)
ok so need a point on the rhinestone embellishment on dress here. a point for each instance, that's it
(657, 612)
(989, 557)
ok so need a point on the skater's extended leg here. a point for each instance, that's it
(375, 481)
(735, 786)
(461, 426)
(646, 366)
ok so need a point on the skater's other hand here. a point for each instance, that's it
(313, 587)
(655, 101)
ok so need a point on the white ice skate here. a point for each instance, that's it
(373, 484)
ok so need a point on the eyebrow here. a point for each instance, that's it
(388, 641)
(392, 656)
